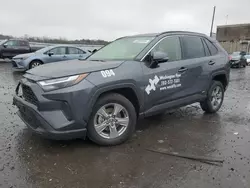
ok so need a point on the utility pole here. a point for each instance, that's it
(212, 25)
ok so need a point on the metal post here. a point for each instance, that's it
(212, 25)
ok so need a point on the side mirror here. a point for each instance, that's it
(50, 53)
(158, 57)
(5, 45)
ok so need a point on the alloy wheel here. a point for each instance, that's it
(111, 120)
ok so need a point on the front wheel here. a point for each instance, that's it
(112, 121)
(35, 63)
(214, 98)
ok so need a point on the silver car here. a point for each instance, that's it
(48, 55)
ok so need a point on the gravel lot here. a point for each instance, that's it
(29, 161)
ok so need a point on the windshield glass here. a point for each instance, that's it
(236, 53)
(122, 49)
(3, 41)
(45, 49)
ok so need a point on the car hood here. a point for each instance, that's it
(67, 68)
(23, 55)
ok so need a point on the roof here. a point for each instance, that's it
(234, 25)
(165, 33)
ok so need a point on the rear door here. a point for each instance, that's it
(59, 54)
(11, 48)
(194, 62)
(23, 47)
(76, 53)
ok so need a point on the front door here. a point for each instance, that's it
(10, 49)
(161, 84)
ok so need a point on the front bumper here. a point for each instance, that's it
(37, 124)
(52, 119)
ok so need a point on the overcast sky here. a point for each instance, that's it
(109, 19)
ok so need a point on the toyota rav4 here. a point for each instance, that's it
(136, 76)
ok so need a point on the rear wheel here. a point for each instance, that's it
(35, 63)
(214, 98)
(112, 121)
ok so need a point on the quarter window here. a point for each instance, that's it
(171, 46)
(213, 50)
(192, 47)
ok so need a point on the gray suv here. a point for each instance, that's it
(135, 76)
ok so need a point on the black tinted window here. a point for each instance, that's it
(23, 43)
(206, 48)
(171, 46)
(213, 50)
(192, 47)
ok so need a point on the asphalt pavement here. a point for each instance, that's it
(27, 160)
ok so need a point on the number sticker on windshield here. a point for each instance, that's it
(107, 73)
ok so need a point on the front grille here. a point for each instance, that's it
(28, 95)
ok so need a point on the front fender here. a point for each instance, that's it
(99, 91)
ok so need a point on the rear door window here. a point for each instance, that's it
(207, 51)
(23, 43)
(192, 47)
(72, 50)
(58, 51)
(213, 50)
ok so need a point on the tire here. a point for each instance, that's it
(35, 63)
(207, 105)
(104, 136)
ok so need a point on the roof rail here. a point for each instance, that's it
(190, 32)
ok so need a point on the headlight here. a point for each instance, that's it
(20, 58)
(59, 83)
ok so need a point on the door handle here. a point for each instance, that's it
(182, 69)
(64, 56)
(211, 62)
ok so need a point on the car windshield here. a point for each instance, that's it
(235, 53)
(122, 49)
(3, 41)
(45, 49)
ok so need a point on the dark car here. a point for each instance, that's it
(12, 47)
(238, 59)
(135, 76)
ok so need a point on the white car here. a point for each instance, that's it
(248, 59)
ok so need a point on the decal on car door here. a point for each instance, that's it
(166, 82)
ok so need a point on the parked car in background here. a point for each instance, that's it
(47, 55)
(12, 47)
(238, 59)
(248, 59)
